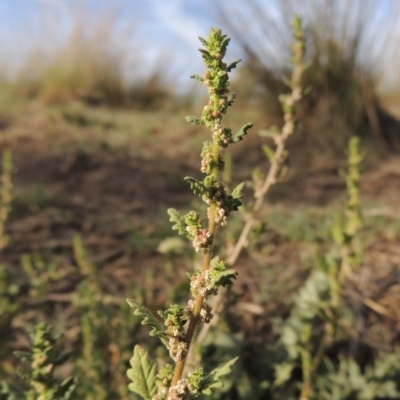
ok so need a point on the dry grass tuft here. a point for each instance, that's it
(348, 65)
(94, 61)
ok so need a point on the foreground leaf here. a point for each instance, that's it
(142, 374)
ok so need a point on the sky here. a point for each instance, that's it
(164, 32)
(156, 35)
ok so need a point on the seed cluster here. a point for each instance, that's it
(174, 320)
(180, 391)
(206, 314)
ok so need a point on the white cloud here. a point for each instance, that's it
(172, 15)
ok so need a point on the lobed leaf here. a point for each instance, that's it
(221, 275)
(179, 221)
(203, 41)
(198, 78)
(213, 380)
(142, 374)
(242, 132)
(191, 118)
(197, 187)
(232, 65)
(148, 319)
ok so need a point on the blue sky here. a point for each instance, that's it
(162, 34)
(158, 29)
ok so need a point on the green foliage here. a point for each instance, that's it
(221, 275)
(142, 374)
(41, 275)
(347, 381)
(320, 318)
(148, 319)
(43, 359)
(105, 333)
(213, 380)
(242, 132)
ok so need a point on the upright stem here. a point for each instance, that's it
(194, 319)
(208, 252)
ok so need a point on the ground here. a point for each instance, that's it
(110, 176)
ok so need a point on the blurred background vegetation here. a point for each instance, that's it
(92, 103)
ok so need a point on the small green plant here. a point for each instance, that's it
(41, 275)
(321, 317)
(43, 358)
(95, 315)
(105, 333)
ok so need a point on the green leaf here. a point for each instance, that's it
(194, 120)
(148, 319)
(197, 187)
(242, 132)
(213, 380)
(223, 278)
(272, 132)
(237, 193)
(224, 43)
(221, 275)
(231, 99)
(232, 65)
(283, 373)
(198, 78)
(207, 57)
(178, 220)
(142, 374)
(269, 152)
(203, 41)
(310, 298)
(171, 245)
(67, 388)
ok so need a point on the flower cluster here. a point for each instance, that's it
(174, 320)
(163, 382)
(206, 282)
(201, 239)
(187, 388)
(201, 283)
(225, 203)
(207, 159)
(206, 314)
(178, 348)
(199, 236)
(180, 391)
